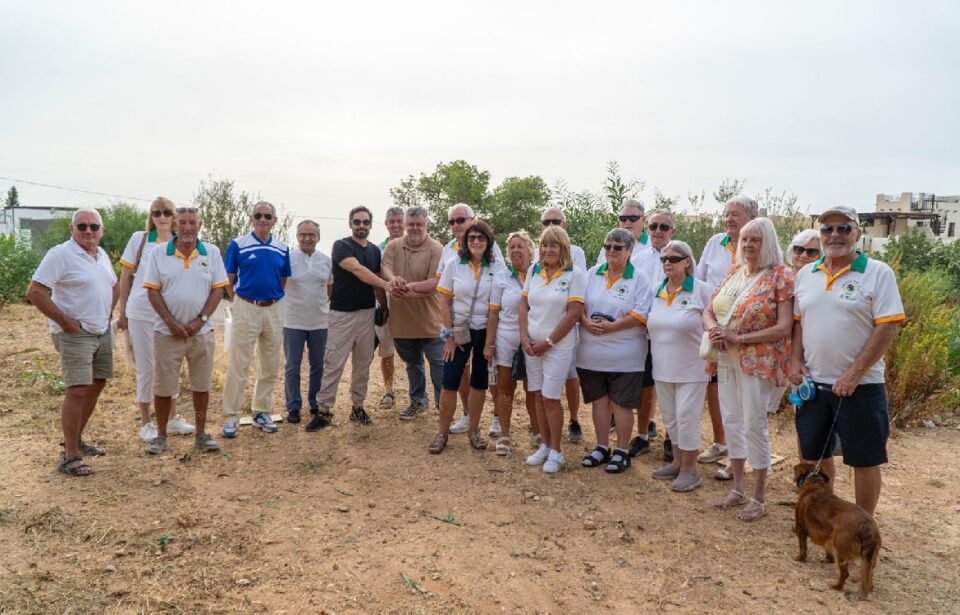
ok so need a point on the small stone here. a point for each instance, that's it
(119, 553)
(336, 566)
(929, 424)
(372, 504)
(528, 494)
(589, 524)
(550, 500)
(110, 568)
(536, 498)
(343, 508)
(243, 582)
(594, 586)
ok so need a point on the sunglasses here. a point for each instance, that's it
(660, 227)
(459, 220)
(193, 210)
(811, 252)
(359, 222)
(608, 247)
(166, 213)
(258, 216)
(476, 238)
(83, 226)
(843, 229)
(630, 218)
(672, 259)
(552, 221)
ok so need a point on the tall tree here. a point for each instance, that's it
(728, 189)
(450, 183)
(616, 189)
(516, 204)
(13, 197)
(226, 213)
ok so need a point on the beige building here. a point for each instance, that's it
(937, 216)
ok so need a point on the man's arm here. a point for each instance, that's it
(363, 274)
(877, 344)
(160, 307)
(39, 296)
(232, 279)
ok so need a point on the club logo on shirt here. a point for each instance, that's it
(622, 291)
(684, 303)
(563, 285)
(849, 290)
(204, 265)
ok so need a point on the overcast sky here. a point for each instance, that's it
(322, 106)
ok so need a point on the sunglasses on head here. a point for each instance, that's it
(473, 238)
(660, 227)
(459, 220)
(610, 247)
(552, 221)
(672, 259)
(843, 229)
(359, 222)
(193, 210)
(259, 215)
(166, 213)
(83, 226)
(630, 218)
(811, 252)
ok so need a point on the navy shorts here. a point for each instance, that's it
(862, 425)
(648, 368)
(453, 369)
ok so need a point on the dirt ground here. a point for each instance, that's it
(362, 520)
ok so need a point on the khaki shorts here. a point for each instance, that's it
(169, 353)
(84, 357)
(385, 349)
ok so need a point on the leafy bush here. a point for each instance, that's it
(17, 264)
(120, 220)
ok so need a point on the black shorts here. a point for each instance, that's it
(453, 369)
(648, 368)
(623, 388)
(862, 425)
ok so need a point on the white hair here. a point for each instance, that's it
(556, 209)
(801, 239)
(633, 203)
(662, 212)
(270, 205)
(464, 205)
(749, 205)
(770, 254)
(86, 210)
(682, 247)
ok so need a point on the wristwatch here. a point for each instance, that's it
(445, 333)
(203, 318)
(549, 342)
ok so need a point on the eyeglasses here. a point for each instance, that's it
(259, 215)
(83, 226)
(811, 252)
(672, 259)
(660, 227)
(360, 222)
(843, 229)
(166, 213)
(459, 220)
(193, 210)
(476, 239)
(553, 221)
(610, 247)
(630, 218)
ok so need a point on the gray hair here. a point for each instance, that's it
(394, 211)
(556, 209)
(416, 212)
(663, 212)
(623, 236)
(770, 254)
(86, 210)
(684, 249)
(308, 221)
(632, 202)
(801, 239)
(259, 203)
(458, 205)
(749, 205)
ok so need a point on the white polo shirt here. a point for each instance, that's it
(82, 285)
(624, 350)
(459, 279)
(716, 259)
(138, 305)
(640, 247)
(452, 249)
(505, 298)
(651, 266)
(548, 300)
(184, 282)
(675, 324)
(306, 305)
(839, 313)
(576, 253)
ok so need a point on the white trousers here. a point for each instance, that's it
(744, 401)
(140, 339)
(681, 404)
(253, 327)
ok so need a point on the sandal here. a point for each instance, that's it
(387, 401)
(503, 446)
(438, 444)
(725, 505)
(593, 460)
(90, 450)
(619, 461)
(477, 441)
(74, 466)
(754, 511)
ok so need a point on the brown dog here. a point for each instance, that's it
(844, 530)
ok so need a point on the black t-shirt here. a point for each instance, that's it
(349, 293)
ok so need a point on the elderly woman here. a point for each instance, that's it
(675, 325)
(749, 321)
(550, 307)
(137, 316)
(464, 287)
(804, 249)
(613, 347)
(503, 335)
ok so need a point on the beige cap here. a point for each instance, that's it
(842, 210)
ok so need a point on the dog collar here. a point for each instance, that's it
(803, 479)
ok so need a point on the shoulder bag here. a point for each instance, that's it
(461, 332)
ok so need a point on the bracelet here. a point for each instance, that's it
(445, 333)
(549, 342)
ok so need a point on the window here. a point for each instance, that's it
(951, 229)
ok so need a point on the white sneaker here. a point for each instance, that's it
(461, 426)
(554, 462)
(148, 432)
(180, 426)
(538, 457)
(495, 427)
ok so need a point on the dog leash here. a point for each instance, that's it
(826, 445)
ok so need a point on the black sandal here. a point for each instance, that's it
(591, 460)
(90, 450)
(74, 466)
(619, 462)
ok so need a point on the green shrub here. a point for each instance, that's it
(17, 264)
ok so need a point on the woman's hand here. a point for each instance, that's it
(489, 353)
(719, 334)
(527, 344)
(449, 348)
(122, 321)
(796, 370)
(595, 326)
(539, 348)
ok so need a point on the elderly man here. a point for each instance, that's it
(357, 287)
(184, 281)
(716, 259)
(258, 265)
(394, 223)
(631, 218)
(84, 287)
(847, 308)
(305, 309)
(409, 263)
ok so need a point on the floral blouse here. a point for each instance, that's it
(757, 311)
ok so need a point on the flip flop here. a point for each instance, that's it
(741, 500)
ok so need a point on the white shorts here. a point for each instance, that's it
(506, 345)
(385, 349)
(549, 372)
(681, 404)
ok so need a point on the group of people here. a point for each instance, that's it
(647, 324)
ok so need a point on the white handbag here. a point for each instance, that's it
(707, 350)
